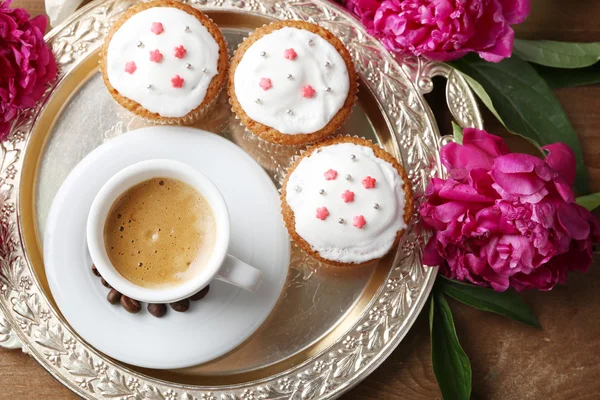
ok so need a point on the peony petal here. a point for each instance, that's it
(462, 192)
(493, 145)
(431, 256)
(464, 157)
(516, 11)
(544, 213)
(573, 222)
(427, 212)
(534, 198)
(493, 220)
(481, 180)
(445, 56)
(40, 22)
(579, 257)
(497, 281)
(475, 267)
(562, 160)
(450, 211)
(501, 49)
(518, 183)
(517, 163)
(434, 187)
(542, 278)
(564, 190)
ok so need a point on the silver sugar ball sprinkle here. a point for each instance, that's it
(289, 76)
(187, 28)
(376, 206)
(289, 112)
(263, 53)
(353, 157)
(311, 42)
(327, 64)
(341, 220)
(298, 189)
(140, 44)
(348, 177)
(257, 101)
(204, 69)
(328, 89)
(149, 86)
(188, 66)
(321, 191)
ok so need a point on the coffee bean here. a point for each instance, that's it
(158, 310)
(130, 305)
(113, 296)
(181, 306)
(95, 271)
(201, 294)
(106, 284)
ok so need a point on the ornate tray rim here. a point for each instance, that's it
(29, 320)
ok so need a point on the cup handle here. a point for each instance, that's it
(240, 274)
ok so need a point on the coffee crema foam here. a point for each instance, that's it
(159, 233)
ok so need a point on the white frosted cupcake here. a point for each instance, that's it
(164, 61)
(292, 82)
(346, 201)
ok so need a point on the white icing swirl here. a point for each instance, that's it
(202, 52)
(345, 242)
(307, 115)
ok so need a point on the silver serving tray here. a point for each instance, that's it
(331, 327)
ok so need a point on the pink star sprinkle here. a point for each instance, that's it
(265, 83)
(322, 213)
(368, 182)
(308, 91)
(331, 174)
(157, 28)
(180, 52)
(290, 54)
(348, 196)
(130, 67)
(156, 55)
(177, 81)
(359, 221)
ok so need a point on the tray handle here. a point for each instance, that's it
(460, 99)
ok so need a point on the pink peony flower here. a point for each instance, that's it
(505, 219)
(444, 30)
(26, 62)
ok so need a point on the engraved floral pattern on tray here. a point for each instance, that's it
(26, 313)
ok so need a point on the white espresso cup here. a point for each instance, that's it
(220, 265)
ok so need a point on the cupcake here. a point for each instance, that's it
(346, 201)
(292, 82)
(164, 61)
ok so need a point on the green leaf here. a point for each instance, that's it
(450, 363)
(508, 304)
(526, 104)
(591, 201)
(557, 54)
(457, 132)
(560, 78)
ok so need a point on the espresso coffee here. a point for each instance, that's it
(159, 233)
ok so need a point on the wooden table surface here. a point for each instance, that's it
(509, 361)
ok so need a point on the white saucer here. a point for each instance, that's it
(214, 325)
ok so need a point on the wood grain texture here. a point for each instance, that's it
(510, 361)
